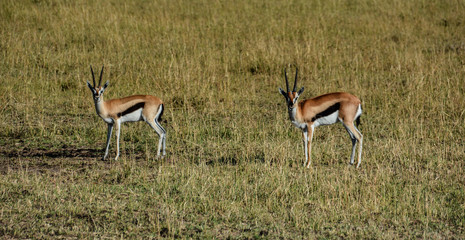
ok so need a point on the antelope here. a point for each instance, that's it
(326, 109)
(128, 109)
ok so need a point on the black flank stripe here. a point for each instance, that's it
(132, 109)
(327, 112)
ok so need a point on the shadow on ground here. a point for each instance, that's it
(51, 153)
(55, 160)
(46, 160)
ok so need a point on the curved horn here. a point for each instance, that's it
(295, 82)
(287, 83)
(101, 74)
(93, 77)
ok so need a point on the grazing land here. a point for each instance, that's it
(233, 168)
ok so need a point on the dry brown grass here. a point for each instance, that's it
(234, 160)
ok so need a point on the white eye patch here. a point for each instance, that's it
(295, 99)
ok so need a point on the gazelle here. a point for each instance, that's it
(324, 110)
(128, 109)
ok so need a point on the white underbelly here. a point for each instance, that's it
(299, 124)
(108, 120)
(327, 120)
(133, 116)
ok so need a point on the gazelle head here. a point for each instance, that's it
(291, 97)
(97, 91)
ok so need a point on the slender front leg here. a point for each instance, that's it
(309, 144)
(118, 129)
(110, 130)
(305, 137)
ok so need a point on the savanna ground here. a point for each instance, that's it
(234, 162)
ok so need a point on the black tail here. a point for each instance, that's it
(161, 113)
(357, 121)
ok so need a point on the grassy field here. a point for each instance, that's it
(234, 163)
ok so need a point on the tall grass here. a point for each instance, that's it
(234, 164)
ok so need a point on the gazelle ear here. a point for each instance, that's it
(282, 92)
(104, 87)
(298, 95)
(90, 86)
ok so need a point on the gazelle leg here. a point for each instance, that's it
(164, 145)
(354, 142)
(161, 141)
(161, 132)
(359, 147)
(110, 130)
(162, 137)
(118, 129)
(309, 144)
(355, 133)
(352, 155)
(305, 137)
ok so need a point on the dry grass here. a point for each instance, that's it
(234, 164)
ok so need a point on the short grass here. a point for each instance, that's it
(234, 164)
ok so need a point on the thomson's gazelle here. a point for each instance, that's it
(324, 110)
(128, 109)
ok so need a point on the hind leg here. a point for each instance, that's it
(161, 133)
(352, 155)
(162, 137)
(354, 142)
(356, 136)
(360, 140)
(162, 140)
(152, 120)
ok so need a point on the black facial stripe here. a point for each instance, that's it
(131, 109)
(290, 102)
(327, 112)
